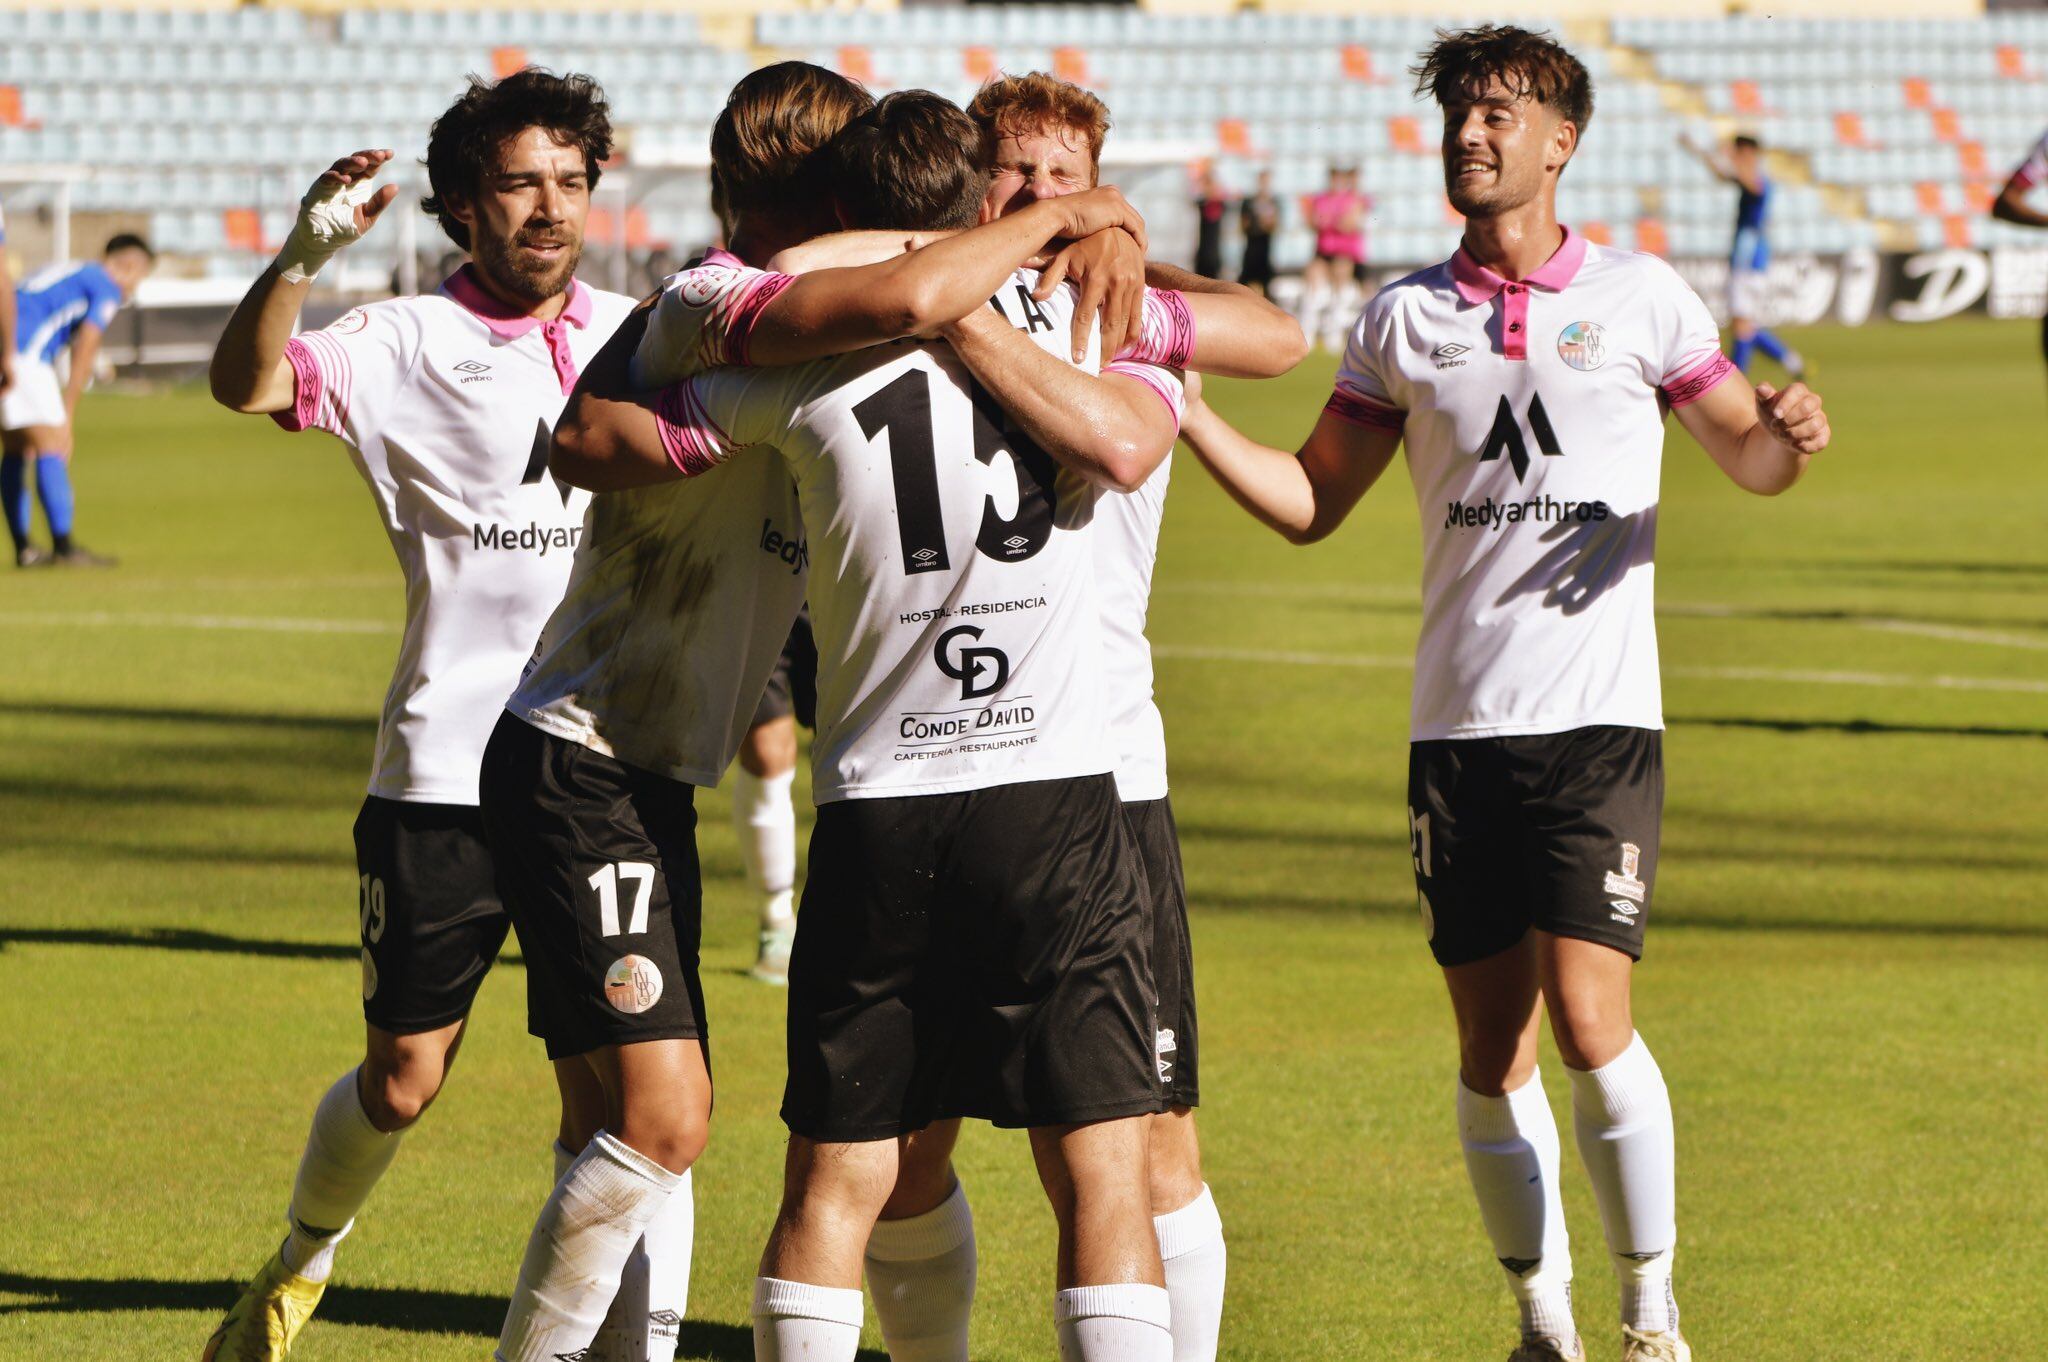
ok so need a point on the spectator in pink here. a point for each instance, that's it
(1331, 282)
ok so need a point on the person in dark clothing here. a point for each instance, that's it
(1258, 217)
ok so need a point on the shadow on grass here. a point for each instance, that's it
(364, 725)
(1862, 727)
(382, 1307)
(187, 939)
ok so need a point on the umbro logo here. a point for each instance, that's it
(580, 1355)
(923, 556)
(1448, 355)
(473, 371)
(664, 1324)
(1519, 1266)
(1015, 542)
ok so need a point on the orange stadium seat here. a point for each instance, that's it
(1971, 154)
(603, 226)
(1955, 229)
(1927, 194)
(1405, 134)
(1358, 63)
(1599, 233)
(1979, 195)
(1748, 99)
(1947, 126)
(1918, 96)
(10, 106)
(857, 63)
(1849, 130)
(507, 61)
(243, 228)
(979, 63)
(1233, 137)
(1071, 65)
(1651, 236)
(2012, 63)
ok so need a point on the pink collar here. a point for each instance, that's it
(505, 321)
(1476, 283)
(719, 255)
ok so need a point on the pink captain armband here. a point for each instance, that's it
(1363, 411)
(1697, 380)
(1168, 338)
(689, 436)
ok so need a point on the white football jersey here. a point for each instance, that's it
(1532, 414)
(682, 594)
(955, 606)
(448, 402)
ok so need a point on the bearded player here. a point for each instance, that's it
(445, 403)
(1528, 378)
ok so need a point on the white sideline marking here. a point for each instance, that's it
(1377, 662)
(263, 624)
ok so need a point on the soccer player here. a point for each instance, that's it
(973, 941)
(1258, 217)
(2012, 206)
(646, 674)
(763, 810)
(1749, 258)
(6, 313)
(445, 402)
(63, 307)
(1528, 378)
(1331, 282)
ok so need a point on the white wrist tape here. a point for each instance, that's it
(327, 222)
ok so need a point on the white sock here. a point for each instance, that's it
(798, 1322)
(579, 1246)
(345, 1155)
(1511, 1153)
(1192, 1251)
(765, 819)
(1123, 1322)
(921, 1271)
(1622, 1112)
(646, 1316)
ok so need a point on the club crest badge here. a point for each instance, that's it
(1583, 345)
(1624, 883)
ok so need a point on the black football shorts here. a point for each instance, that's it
(981, 954)
(1173, 958)
(1556, 831)
(597, 864)
(793, 685)
(427, 902)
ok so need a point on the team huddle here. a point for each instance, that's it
(928, 391)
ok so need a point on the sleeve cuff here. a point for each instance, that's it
(1697, 379)
(746, 312)
(1363, 411)
(692, 441)
(1161, 384)
(1169, 331)
(308, 387)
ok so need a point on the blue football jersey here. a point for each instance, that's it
(51, 304)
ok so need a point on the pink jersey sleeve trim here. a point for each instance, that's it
(1363, 411)
(1168, 339)
(1161, 384)
(744, 311)
(692, 440)
(320, 379)
(1698, 379)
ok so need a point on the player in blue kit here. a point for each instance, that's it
(1749, 258)
(62, 307)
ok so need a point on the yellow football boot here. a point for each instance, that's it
(266, 1321)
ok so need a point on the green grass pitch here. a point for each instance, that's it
(1847, 979)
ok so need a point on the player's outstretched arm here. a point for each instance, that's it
(1761, 438)
(833, 311)
(2011, 204)
(1305, 495)
(249, 372)
(1112, 430)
